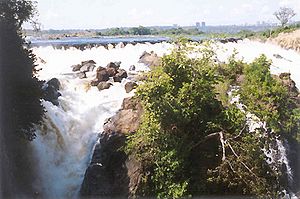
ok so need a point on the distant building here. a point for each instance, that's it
(198, 25)
(203, 24)
(175, 25)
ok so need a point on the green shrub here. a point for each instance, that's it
(191, 144)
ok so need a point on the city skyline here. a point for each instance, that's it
(93, 14)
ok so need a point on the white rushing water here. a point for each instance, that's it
(64, 142)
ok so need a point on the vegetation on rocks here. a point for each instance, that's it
(193, 142)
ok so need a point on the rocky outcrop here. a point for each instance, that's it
(129, 86)
(51, 92)
(112, 70)
(111, 172)
(85, 66)
(150, 59)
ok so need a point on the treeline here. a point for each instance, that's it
(141, 30)
(269, 33)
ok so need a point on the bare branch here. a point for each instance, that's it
(284, 14)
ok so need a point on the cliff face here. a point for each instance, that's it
(111, 172)
(288, 40)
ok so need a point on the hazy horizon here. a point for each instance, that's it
(101, 14)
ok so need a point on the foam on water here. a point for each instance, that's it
(64, 142)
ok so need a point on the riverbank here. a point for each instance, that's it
(289, 41)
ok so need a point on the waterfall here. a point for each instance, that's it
(65, 139)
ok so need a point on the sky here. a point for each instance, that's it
(98, 14)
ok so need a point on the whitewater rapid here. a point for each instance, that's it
(65, 140)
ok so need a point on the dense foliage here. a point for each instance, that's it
(21, 91)
(190, 143)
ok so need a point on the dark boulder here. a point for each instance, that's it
(106, 176)
(129, 86)
(120, 75)
(229, 40)
(115, 65)
(50, 91)
(103, 85)
(111, 71)
(102, 75)
(111, 172)
(54, 82)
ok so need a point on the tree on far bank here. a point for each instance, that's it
(284, 14)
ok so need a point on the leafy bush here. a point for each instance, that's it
(189, 143)
(266, 97)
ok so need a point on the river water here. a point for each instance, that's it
(65, 140)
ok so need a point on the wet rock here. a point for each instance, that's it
(103, 85)
(54, 82)
(102, 75)
(132, 68)
(107, 175)
(131, 103)
(100, 68)
(115, 65)
(150, 59)
(76, 67)
(88, 62)
(111, 71)
(81, 75)
(111, 172)
(120, 75)
(50, 91)
(129, 86)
